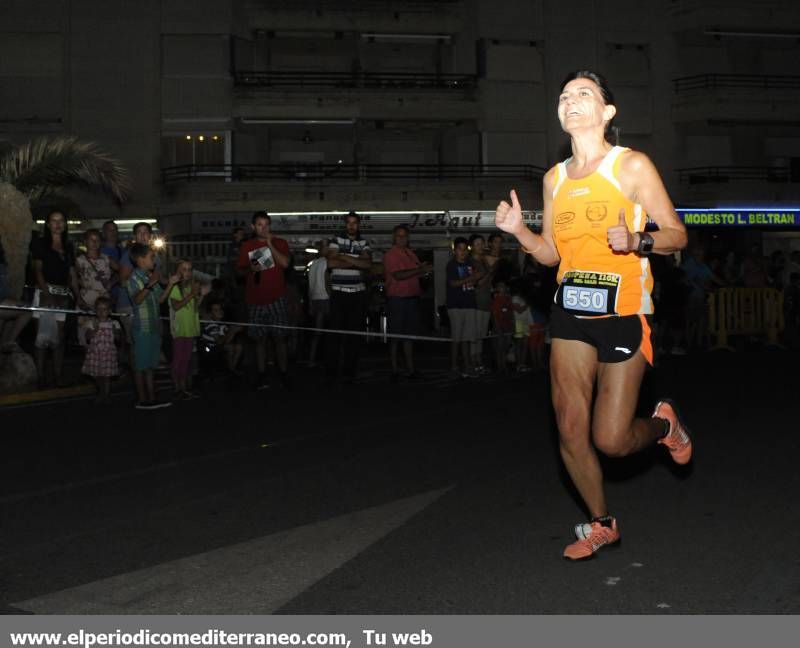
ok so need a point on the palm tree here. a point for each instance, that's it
(32, 171)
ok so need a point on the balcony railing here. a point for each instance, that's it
(722, 174)
(366, 80)
(736, 81)
(352, 5)
(348, 172)
(679, 7)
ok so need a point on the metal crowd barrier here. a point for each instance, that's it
(745, 311)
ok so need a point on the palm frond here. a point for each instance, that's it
(45, 164)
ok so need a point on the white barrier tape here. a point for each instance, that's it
(423, 338)
(384, 336)
(65, 311)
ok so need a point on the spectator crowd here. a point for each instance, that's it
(261, 315)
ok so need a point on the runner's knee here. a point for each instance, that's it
(611, 438)
(573, 425)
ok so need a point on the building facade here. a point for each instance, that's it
(407, 110)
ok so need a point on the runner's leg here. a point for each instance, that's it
(573, 367)
(615, 431)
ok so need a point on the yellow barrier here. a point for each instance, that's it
(745, 311)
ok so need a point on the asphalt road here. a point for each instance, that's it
(437, 497)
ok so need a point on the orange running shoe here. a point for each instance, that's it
(677, 439)
(591, 536)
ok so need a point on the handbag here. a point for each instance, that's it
(61, 291)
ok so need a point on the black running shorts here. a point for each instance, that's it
(616, 339)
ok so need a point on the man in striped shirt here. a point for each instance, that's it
(349, 256)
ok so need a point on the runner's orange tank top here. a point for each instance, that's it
(583, 210)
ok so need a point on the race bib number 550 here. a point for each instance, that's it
(588, 293)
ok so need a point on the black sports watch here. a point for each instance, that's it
(645, 243)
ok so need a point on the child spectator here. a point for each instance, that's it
(218, 340)
(522, 325)
(184, 320)
(146, 295)
(217, 294)
(102, 336)
(503, 323)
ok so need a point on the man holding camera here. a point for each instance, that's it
(262, 261)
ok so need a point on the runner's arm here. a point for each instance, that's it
(509, 219)
(641, 183)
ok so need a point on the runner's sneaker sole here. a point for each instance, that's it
(583, 548)
(603, 548)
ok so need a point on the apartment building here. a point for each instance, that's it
(419, 111)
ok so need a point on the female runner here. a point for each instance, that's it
(595, 209)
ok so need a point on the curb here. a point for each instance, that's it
(46, 395)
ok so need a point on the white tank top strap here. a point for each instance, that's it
(606, 168)
(561, 175)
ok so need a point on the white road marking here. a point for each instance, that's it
(253, 577)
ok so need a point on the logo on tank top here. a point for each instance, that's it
(563, 221)
(580, 191)
(596, 212)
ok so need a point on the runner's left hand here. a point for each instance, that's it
(620, 238)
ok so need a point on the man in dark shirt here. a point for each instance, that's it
(461, 306)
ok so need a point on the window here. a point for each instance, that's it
(202, 149)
